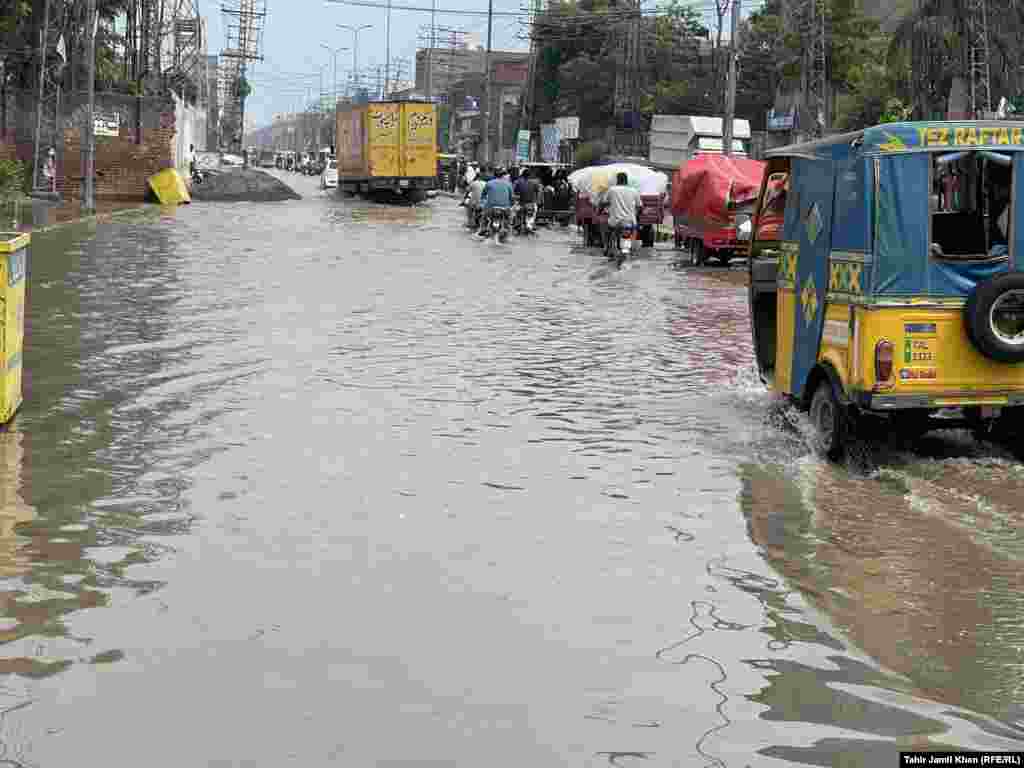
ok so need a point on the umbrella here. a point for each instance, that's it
(592, 182)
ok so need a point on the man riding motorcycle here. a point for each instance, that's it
(623, 203)
(473, 201)
(497, 194)
(527, 191)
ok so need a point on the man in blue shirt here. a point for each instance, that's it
(497, 194)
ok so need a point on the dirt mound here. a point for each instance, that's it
(242, 184)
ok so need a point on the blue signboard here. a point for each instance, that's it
(523, 147)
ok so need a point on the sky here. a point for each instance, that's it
(296, 36)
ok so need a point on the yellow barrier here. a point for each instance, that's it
(13, 269)
(169, 187)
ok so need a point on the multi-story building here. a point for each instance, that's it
(438, 68)
(509, 70)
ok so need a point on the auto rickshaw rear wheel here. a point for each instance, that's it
(829, 422)
(994, 316)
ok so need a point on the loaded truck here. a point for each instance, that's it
(676, 140)
(712, 195)
(387, 148)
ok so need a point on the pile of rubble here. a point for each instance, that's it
(241, 184)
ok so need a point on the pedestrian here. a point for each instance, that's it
(191, 160)
(50, 169)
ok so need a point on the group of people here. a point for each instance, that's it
(489, 188)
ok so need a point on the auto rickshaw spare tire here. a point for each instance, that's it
(994, 317)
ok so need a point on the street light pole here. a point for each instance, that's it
(355, 48)
(334, 84)
(486, 114)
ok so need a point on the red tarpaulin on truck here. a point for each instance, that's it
(704, 188)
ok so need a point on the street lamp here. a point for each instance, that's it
(355, 48)
(334, 52)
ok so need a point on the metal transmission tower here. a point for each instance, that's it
(243, 29)
(977, 30)
(816, 100)
(52, 57)
(810, 17)
(626, 75)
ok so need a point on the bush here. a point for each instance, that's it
(12, 187)
(590, 153)
(12, 180)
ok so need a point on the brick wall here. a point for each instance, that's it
(144, 144)
(123, 166)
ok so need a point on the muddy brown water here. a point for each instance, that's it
(330, 483)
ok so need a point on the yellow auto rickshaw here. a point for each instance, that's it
(890, 295)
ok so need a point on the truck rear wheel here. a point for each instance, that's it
(647, 236)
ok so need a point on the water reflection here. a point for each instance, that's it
(885, 558)
(101, 473)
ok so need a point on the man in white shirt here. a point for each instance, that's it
(623, 203)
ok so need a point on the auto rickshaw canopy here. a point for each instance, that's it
(921, 200)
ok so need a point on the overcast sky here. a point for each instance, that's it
(295, 31)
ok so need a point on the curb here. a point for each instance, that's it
(92, 218)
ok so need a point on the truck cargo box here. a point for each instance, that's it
(387, 145)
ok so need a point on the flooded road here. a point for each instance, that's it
(331, 483)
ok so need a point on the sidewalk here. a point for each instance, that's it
(69, 212)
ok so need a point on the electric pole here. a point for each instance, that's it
(387, 53)
(89, 145)
(39, 100)
(486, 116)
(730, 93)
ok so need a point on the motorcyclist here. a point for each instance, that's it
(527, 190)
(473, 199)
(623, 203)
(497, 194)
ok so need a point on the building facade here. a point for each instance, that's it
(509, 71)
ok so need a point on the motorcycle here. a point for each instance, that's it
(473, 214)
(526, 218)
(499, 224)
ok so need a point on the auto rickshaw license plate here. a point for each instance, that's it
(919, 351)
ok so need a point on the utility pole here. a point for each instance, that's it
(89, 196)
(355, 48)
(430, 50)
(486, 116)
(39, 103)
(730, 93)
(387, 53)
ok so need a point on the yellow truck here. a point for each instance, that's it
(387, 147)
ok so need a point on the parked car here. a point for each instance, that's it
(329, 177)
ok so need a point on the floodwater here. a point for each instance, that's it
(332, 483)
